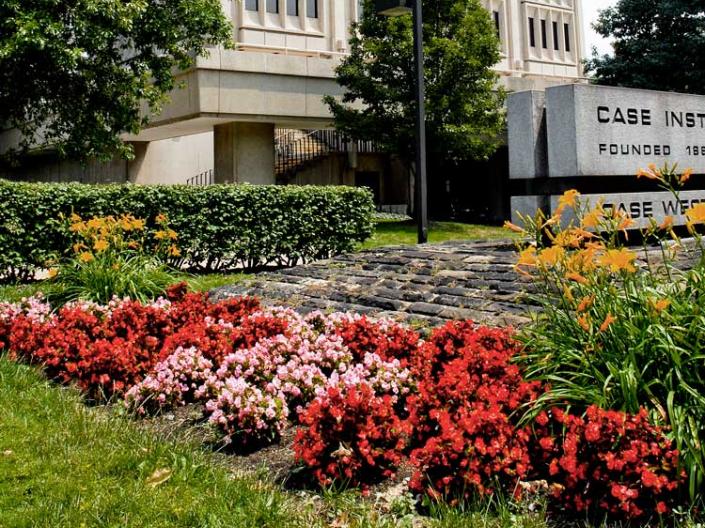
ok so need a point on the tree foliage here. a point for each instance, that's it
(463, 102)
(76, 73)
(658, 45)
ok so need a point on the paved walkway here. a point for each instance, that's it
(423, 285)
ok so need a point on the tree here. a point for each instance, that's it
(464, 117)
(658, 45)
(75, 74)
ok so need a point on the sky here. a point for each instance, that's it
(590, 10)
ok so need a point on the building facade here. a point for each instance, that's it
(234, 103)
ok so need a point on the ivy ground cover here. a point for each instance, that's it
(365, 398)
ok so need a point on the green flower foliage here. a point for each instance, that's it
(463, 101)
(219, 226)
(76, 73)
(619, 329)
(658, 45)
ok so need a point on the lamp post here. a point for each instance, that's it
(399, 8)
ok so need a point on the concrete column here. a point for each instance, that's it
(244, 153)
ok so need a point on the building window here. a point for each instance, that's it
(566, 31)
(252, 5)
(544, 36)
(312, 8)
(292, 7)
(495, 15)
(556, 43)
(272, 6)
(532, 33)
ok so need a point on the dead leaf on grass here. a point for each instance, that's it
(160, 476)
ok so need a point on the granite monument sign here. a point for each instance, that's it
(584, 135)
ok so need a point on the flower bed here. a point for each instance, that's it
(366, 396)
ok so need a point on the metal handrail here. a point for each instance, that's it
(314, 144)
(201, 179)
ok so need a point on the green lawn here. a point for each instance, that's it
(15, 292)
(392, 233)
(64, 464)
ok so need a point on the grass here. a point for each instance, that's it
(15, 292)
(64, 464)
(393, 233)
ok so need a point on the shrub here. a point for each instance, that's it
(351, 435)
(114, 256)
(463, 414)
(219, 226)
(617, 331)
(608, 463)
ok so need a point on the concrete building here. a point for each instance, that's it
(234, 102)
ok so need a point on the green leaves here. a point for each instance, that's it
(219, 226)
(647, 358)
(75, 73)
(658, 45)
(464, 118)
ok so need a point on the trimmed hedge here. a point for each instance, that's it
(219, 226)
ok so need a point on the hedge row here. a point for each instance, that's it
(220, 226)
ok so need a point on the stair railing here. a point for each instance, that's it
(293, 154)
(201, 179)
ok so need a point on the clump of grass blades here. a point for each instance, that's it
(134, 276)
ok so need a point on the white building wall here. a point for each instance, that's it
(285, 63)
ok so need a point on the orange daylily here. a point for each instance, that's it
(625, 223)
(513, 227)
(551, 256)
(592, 219)
(569, 199)
(687, 173)
(527, 257)
(86, 257)
(660, 305)
(586, 303)
(101, 245)
(696, 214)
(582, 261)
(667, 224)
(619, 260)
(584, 322)
(653, 173)
(607, 322)
(576, 277)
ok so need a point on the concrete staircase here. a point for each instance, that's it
(296, 149)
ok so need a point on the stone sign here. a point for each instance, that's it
(642, 207)
(605, 131)
(526, 129)
(587, 136)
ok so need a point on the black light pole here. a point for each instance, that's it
(398, 8)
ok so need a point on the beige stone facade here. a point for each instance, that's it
(225, 115)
